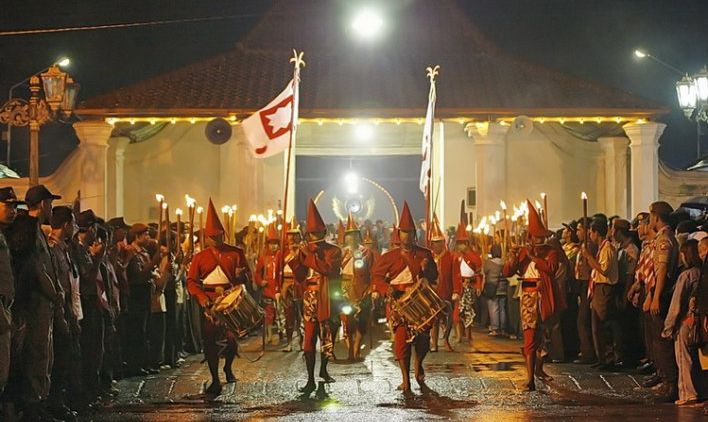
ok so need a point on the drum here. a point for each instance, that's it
(237, 310)
(419, 306)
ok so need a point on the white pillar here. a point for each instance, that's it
(93, 136)
(118, 146)
(615, 155)
(644, 165)
(490, 165)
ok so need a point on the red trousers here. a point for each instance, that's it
(532, 341)
(211, 334)
(269, 309)
(402, 349)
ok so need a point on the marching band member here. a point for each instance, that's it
(356, 276)
(213, 270)
(536, 264)
(393, 274)
(266, 277)
(323, 262)
(466, 275)
(291, 289)
(447, 286)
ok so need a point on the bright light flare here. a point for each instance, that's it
(639, 54)
(64, 62)
(367, 23)
(364, 132)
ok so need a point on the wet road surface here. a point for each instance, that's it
(478, 382)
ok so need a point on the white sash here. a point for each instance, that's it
(531, 272)
(404, 277)
(465, 270)
(216, 278)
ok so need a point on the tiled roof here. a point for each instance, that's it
(386, 77)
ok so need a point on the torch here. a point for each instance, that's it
(234, 221)
(544, 198)
(191, 202)
(200, 213)
(166, 226)
(178, 239)
(160, 202)
(584, 198)
(502, 204)
(227, 222)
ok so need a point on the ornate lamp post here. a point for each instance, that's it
(59, 99)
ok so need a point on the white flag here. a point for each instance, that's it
(268, 129)
(427, 143)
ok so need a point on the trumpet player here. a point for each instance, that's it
(323, 262)
(214, 270)
(394, 273)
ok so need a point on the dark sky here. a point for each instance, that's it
(593, 39)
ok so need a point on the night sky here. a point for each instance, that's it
(592, 39)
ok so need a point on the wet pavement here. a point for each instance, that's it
(478, 382)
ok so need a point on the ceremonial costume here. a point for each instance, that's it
(357, 262)
(292, 287)
(214, 270)
(266, 277)
(323, 262)
(447, 286)
(395, 272)
(466, 275)
(536, 269)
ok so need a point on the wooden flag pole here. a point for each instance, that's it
(431, 73)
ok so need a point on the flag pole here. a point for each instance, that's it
(431, 73)
(297, 62)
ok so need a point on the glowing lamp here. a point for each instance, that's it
(367, 23)
(687, 95)
(701, 82)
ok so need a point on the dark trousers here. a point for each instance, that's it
(587, 349)
(569, 326)
(157, 339)
(108, 366)
(607, 337)
(171, 335)
(92, 338)
(663, 351)
(136, 346)
(66, 372)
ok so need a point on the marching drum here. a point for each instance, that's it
(237, 310)
(419, 306)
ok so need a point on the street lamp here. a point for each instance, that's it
(60, 93)
(62, 62)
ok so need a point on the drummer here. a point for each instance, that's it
(357, 261)
(393, 274)
(323, 261)
(266, 277)
(214, 270)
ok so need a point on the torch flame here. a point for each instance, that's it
(502, 204)
(225, 209)
(191, 202)
(200, 210)
(159, 198)
(584, 196)
(178, 211)
(543, 195)
(164, 205)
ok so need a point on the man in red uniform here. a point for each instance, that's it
(467, 276)
(266, 277)
(536, 264)
(213, 270)
(291, 289)
(323, 262)
(357, 262)
(444, 286)
(393, 274)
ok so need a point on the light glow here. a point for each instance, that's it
(367, 23)
(64, 62)
(639, 54)
(363, 132)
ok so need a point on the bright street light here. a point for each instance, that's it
(640, 54)
(64, 62)
(351, 182)
(367, 23)
(363, 132)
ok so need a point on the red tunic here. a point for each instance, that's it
(447, 284)
(324, 260)
(232, 261)
(361, 277)
(267, 275)
(474, 261)
(546, 261)
(393, 262)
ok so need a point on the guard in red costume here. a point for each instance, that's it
(293, 281)
(357, 262)
(467, 276)
(393, 274)
(213, 270)
(323, 262)
(266, 277)
(447, 286)
(536, 264)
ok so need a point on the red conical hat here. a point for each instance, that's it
(368, 240)
(406, 222)
(351, 224)
(461, 235)
(213, 225)
(314, 219)
(536, 226)
(435, 233)
(272, 233)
